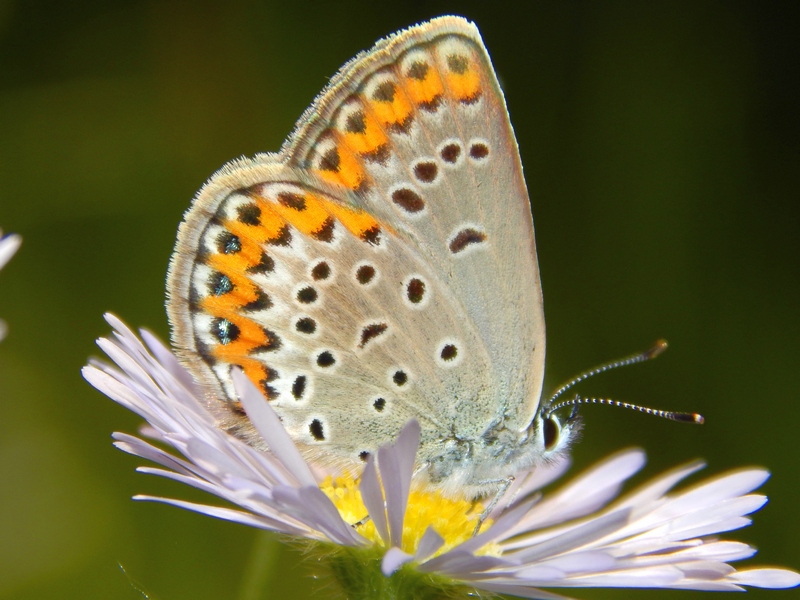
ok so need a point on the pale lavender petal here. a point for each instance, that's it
(213, 460)
(668, 511)
(526, 484)
(587, 493)
(721, 550)
(372, 497)
(128, 353)
(396, 463)
(578, 562)
(498, 529)
(428, 545)
(704, 569)
(190, 480)
(711, 551)
(542, 572)
(227, 514)
(271, 516)
(655, 489)
(112, 388)
(574, 537)
(311, 506)
(161, 374)
(8, 247)
(723, 517)
(660, 543)
(216, 462)
(767, 578)
(169, 361)
(639, 578)
(718, 489)
(392, 488)
(393, 560)
(140, 448)
(706, 586)
(462, 565)
(269, 426)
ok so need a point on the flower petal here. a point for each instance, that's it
(372, 497)
(9, 245)
(311, 506)
(587, 493)
(767, 578)
(575, 537)
(227, 514)
(396, 464)
(393, 560)
(428, 545)
(269, 426)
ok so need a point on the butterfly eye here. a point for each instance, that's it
(552, 432)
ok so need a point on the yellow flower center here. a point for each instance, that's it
(454, 520)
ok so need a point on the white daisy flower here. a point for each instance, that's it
(8, 246)
(582, 535)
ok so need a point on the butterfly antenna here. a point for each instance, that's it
(657, 349)
(681, 417)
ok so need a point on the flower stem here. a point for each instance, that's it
(357, 571)
(260, 566)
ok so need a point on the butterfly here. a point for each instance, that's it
(380, 268)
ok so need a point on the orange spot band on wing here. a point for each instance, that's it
(349, 172)
(269, 227)
(308, 220)
(250, 336)
(422, 91)
(391, 113)
(465, 86)
(248, 256)
(230, 302)
(371, 139)
(356, 221)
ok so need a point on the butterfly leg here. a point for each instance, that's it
(363, 521)
(504, 485)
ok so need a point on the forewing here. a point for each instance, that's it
(418, 133)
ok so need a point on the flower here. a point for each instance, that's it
(582, 535)
(8, 246)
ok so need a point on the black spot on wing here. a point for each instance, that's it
(290, 200)
(325, 232)
(408, 200)
(299, 387)
(370, 332)
(249, 214)
(262, 302)
(316, 430)
(265, 265)
(466, 237)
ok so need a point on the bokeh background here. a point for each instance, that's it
(661, 147)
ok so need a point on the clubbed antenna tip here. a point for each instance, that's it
(689, 418)
(657, 349)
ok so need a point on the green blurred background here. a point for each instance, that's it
(660, 142)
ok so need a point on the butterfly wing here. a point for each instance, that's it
(381, 267)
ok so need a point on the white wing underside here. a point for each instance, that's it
(454, 266)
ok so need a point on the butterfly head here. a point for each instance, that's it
(478, 467)
(553, 434)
